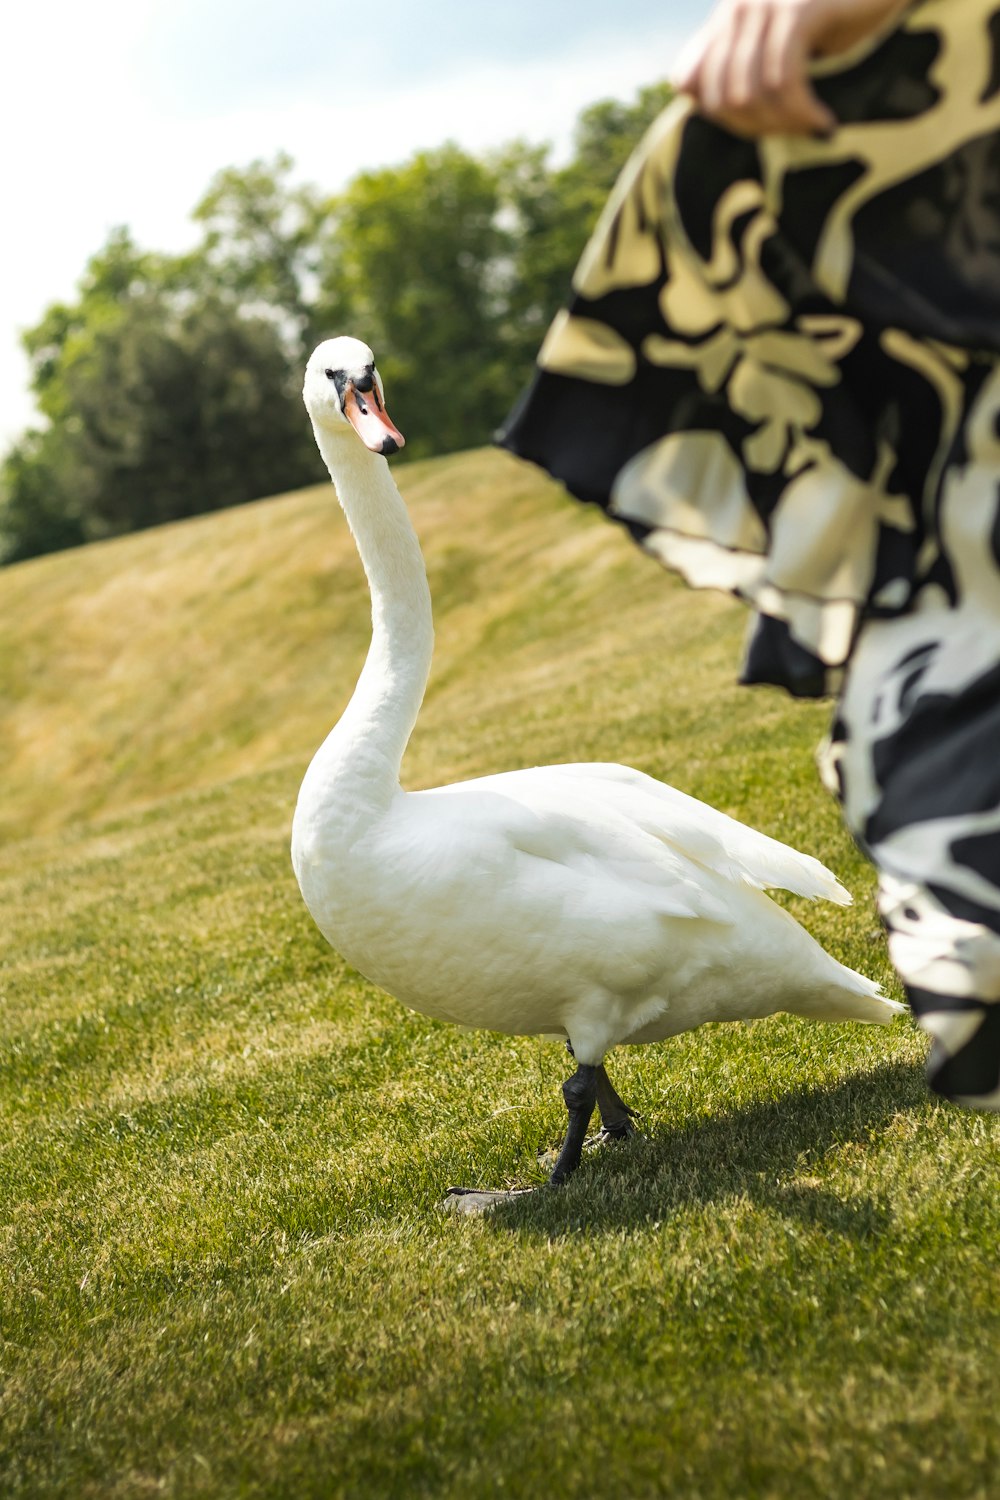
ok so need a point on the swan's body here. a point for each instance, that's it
(585, 900)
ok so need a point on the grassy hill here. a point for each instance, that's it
(227, 645)
(223, 1267)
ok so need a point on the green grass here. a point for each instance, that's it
(223, 1268)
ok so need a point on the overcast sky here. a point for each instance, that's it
(121, 111)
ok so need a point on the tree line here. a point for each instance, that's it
(170, 386)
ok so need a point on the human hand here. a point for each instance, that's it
(747, 67)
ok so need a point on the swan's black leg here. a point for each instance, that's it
(616, 1117)
(589, 1086)
(580, 1094)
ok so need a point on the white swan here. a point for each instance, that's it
(588, 901)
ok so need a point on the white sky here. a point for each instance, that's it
(121, 111)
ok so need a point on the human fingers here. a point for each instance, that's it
(741, 83)
(707, 88)
(728, 79)
(785, 74)
(758, 110)
(728, 88)
(747, 69)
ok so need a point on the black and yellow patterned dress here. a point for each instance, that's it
(780, 370)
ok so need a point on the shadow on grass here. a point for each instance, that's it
(754, 1153)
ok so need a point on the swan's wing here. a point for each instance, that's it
(709, 836)
(586, 851)
(692, 828)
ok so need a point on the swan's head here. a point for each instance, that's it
(343, 390)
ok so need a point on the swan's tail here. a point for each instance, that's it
(853, 997)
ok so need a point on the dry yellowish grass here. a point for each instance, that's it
(225, 645)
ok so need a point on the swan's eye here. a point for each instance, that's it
(329, 374)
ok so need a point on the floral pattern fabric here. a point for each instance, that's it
(780, 370)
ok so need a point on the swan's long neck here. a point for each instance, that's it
(358, 764)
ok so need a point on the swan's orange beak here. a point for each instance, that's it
(370, 420)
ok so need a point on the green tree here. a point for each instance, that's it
(260, 245)
(37, 512)
(606, 135)
(175, 414)
(162, 401)
(170, 385)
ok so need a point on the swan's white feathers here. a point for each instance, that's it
(603, 796)
(525, 818)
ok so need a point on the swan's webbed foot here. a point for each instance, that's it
(460, 1200)
(623, 1132)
